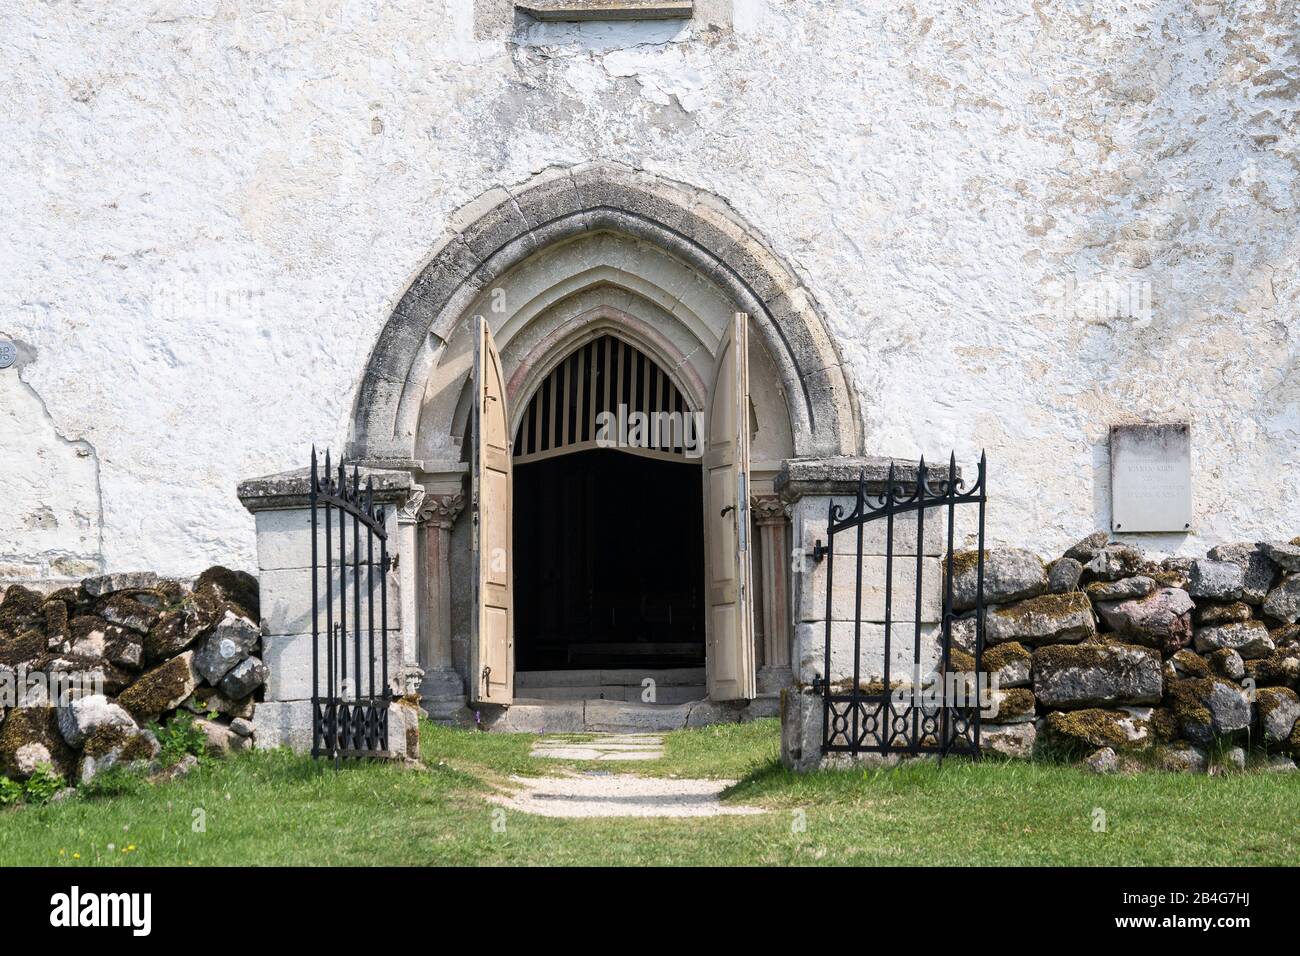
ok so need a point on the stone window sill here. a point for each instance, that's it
(583, 10)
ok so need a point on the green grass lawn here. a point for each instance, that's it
(277, 808)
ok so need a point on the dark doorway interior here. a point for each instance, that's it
(609, 562)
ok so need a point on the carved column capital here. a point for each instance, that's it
(409, 512)
(769, 509)
(441, 511)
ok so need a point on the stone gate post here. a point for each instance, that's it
(808, 486)
(280, 505)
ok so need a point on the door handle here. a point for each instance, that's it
(723, 512)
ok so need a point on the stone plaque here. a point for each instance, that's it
(1151, 477)
(8, 353)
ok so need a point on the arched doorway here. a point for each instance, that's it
(572, 256)
(608, 526)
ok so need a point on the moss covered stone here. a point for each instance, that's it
(1279, 669)
(1089, 675)
(30, 737)
(1009, 664)
(235, 587)
(1188, 663)
(23, 647)
(1047, 619)
(1225, 662)
(1014, 704)
(162, 689)
(1207, 708)
(1095, 727)
(21, 609)
(1279, 709)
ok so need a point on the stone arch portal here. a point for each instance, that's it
(573, 255)
(499, 234)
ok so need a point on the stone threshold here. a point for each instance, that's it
(607, 716)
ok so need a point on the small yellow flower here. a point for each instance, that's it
(76, 856)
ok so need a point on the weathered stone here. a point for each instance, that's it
(236, 587)
(124, 610)
(1288, 635)
(242, 727)
(1183, 758)
(1013, 705)
(113, 744)
(1215, 580)
(161, 689)
(1226, 663)
(1102, 761)
(30, 737)
(1208, 707)
(1257, 569)
(1094, 727)
(56, 621)
(1010, 574)
(1090, 675)
(209, 700)
(1125, 589)
(1087, 549)
(1277, 670)
(1113, 562)
(1279, 709)
(1283, 602)
(1162, 619)
(22, 608)
(244, 678)
(178, 628)
(1249, 639)
(1188, 663)
(219, 736)
(1280, 764)
(1047, 619)
(963, 633)
(92, 638)
(83, 716)
(1284, 554)
(1010, 740)
(1233, 612)
(103, 584)
(1063, 575)
(21, 647)
(1008, 665)
(232, 640)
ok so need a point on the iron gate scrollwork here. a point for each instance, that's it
(882, 715)
(349, 708)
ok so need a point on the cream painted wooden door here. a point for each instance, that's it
(492, 647)
(730, 620)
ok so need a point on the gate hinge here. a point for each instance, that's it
(819, 550)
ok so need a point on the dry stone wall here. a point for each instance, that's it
(1125, 660)
(87, 670)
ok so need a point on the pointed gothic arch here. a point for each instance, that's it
(502, 230)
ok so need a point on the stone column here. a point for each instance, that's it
(408, 516)
(441, 683)
(771, 516)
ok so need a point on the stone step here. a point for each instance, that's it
(619, 717)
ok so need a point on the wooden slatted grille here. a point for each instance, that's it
(607, 375)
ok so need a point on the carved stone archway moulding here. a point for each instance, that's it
(502, 229)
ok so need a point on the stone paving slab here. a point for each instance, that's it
(619, 795)
(599, 747)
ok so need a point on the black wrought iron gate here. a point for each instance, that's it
(349, 706)
(934, 713)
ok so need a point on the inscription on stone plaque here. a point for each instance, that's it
(1151, 477)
